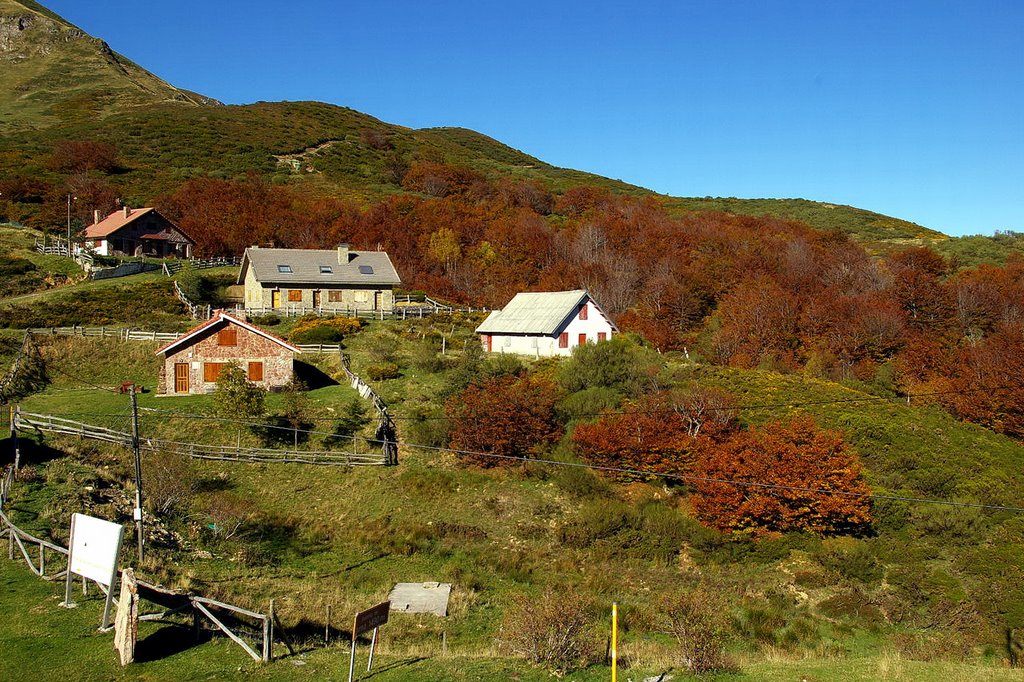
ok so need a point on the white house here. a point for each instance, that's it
(545, 323)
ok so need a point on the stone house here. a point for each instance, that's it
(137, 232)
(194, 361)
(332, 280)
(545, 324)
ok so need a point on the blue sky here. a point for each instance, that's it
(913, 109)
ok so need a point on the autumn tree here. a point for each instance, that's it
(656, 435)
(509, 416)
(79, 156)
(781, 477)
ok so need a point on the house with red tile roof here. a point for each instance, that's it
(137, 232)
(193, 362)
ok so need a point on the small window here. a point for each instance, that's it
(227, 336)
(583, 312)
(563, 340)
(326, 270)
(284, 268)
(335, 296)
(583, 339)
(255, 371)
(365, 269)
(211, 371)
(295, 295)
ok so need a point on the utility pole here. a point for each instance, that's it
(138, 470)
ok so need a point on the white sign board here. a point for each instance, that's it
(95, 544)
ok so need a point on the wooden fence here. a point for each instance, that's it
(198, 312)
(25, 370)
(44, 423)
(173, 267)
(386, 433)
(131, 334)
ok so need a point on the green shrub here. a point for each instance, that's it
(589, 402)
(694, 619)
(266, 320)
(851, 559)
(324, 334)
(382, 371)
(554, 630)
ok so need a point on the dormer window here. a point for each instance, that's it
(284, 268)
(326, 270)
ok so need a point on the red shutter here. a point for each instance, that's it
(602, 336)
(255, 371)
(583, 340)
(563, 340)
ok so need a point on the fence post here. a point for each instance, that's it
(15, 411)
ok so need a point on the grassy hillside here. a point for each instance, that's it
(933, 584)
(60, 84)
(54, 74)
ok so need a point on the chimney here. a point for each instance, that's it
(127, 211)
(343, 254)
(95, 216)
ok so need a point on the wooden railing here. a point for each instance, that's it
(198, 312)
(175, 266)
(50, 424)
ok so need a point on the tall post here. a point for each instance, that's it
(69, 224)
(138, 470)
(615, 640)
(14, 437)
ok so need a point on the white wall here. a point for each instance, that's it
(544, 346)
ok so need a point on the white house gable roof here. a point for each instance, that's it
(543, 312)
(318, 266)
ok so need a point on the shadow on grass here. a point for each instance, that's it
(404, 663)
(32, 451)
(167, 641)
(312, 377)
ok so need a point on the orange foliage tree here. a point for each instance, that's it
(509, 416)
(657, 436)
(792, 473)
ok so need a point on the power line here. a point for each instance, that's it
(646, 473)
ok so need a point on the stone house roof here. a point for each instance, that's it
(317, 267)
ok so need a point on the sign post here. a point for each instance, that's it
(615, 640)
(371, 619)
(95, 546)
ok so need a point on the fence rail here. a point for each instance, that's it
(386, 433)
(197, 312)
(173, 267)
(50, 424)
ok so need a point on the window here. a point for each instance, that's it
(583, 339)
(362, 296)
(227, 336)
(335, 296)
(326, 270)
(602, 336)
(255, 371)
(365, 269)
(295, 295)
(284, 268)
(211, 371)
(583, 312)
(563, 340)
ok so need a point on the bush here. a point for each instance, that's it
(694, 619)
(382, 371)
(171, 481)
(335, 329)
(851, 559)
(267, 320)
(554, 630)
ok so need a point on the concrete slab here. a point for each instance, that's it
(420, 598)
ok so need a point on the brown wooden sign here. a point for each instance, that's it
(370, 619)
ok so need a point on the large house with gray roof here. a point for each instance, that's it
(334, 280)
(545, 324)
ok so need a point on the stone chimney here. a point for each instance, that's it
(343, 254)
(95, 216)
(127, 211)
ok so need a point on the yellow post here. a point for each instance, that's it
(615, 639)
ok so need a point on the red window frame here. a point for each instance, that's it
(563, 340)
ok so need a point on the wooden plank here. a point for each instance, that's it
(238, 640)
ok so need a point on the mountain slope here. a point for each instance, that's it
(51, 73)
(58, 83)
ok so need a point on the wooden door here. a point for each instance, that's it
(316, 299)
(377, 300)
(275, 298)
(181, 377)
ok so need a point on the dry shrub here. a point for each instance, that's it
(170, 481)
(554, 630)
(692, 618)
